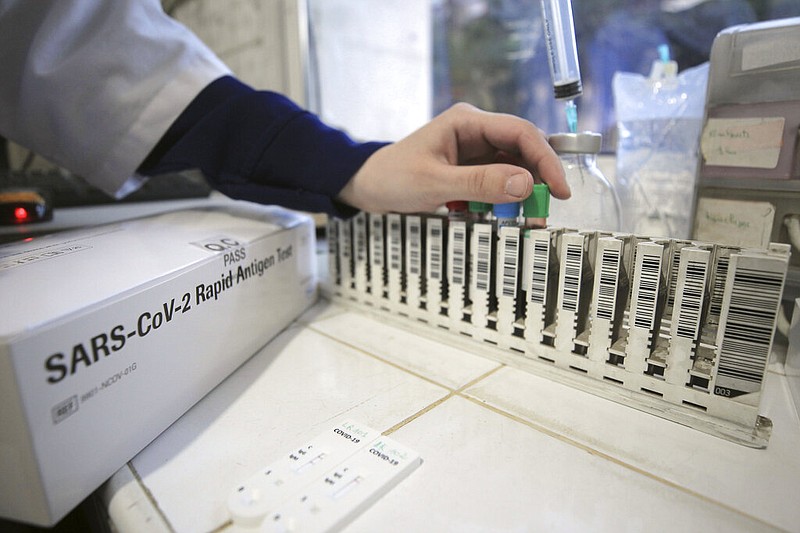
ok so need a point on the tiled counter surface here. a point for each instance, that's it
(503, 450)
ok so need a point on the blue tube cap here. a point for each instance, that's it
(509, 210)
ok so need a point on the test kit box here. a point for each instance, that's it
(110, 334)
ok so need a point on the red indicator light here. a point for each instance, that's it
(20, 214)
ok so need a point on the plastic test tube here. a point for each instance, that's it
(457, 210)
(479, 211)
(536, 207)
(506, 214)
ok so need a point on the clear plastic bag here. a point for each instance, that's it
(659, 119)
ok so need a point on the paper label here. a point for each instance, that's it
(743, 142)
(736, 223)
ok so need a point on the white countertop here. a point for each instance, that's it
(502, 450)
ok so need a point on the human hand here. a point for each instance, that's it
(462, 154)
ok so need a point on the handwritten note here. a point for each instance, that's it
(742, 142)
(734, 222)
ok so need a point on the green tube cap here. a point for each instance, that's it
(479, 207)
(537, 205)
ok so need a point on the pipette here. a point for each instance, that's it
(562, 52)
(572, 116)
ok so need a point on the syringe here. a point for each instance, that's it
(562, 52)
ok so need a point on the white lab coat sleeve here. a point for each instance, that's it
(92, 85)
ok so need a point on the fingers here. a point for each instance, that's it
(495, 183)
(463, 154)
(552, 173)
(479, 133)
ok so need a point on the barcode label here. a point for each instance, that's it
(333, 236)
(690, 300)
(395, 241)
(414, 237)
(458, 255)
(361, 236)
(333, 250)
(345, 240)
(434, 256)
(510, 247)
(673, 273)
(647, 290)
(540, 271)
(376, 240)
(573, 270)
(607, 288)
(748, 328)
(483, 256)
(718, 287)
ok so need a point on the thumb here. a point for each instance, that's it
(494, 183)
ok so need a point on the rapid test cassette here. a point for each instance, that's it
(324, 484)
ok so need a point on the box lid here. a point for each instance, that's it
(44, 279)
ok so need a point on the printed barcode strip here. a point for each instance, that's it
(345, 241)
(333, 250)
(572, 277)
(377, 241)
(361, 237)
(435, 247)
(394, 244)
(482, 266)
(414, 245)
(673, 276)
(333, 236)
(458, 263)
(647, 291)
(691, 301)
(510, 265)
(539, 272)
(718, 290)
(749, 326)
(607, 289)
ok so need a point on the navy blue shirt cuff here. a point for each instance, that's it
(260, 146)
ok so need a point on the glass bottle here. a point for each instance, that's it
(594, 204)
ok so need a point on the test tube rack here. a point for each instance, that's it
(676, 328)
